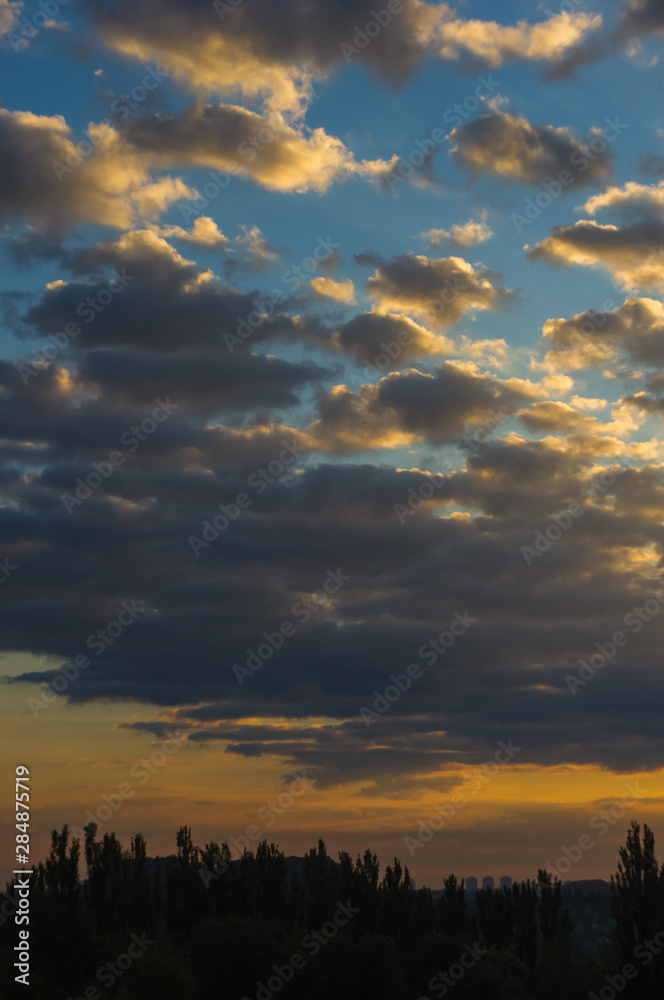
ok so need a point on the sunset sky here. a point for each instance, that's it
(325, 325)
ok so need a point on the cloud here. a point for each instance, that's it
(340, 291)
(270, 151)
(557, 417)
(405, 583)
(632, 253)
(410, 406)
(190, 308)
(642, 17)
(636, 19)
(8, 16)
(504, 145)
(442, 289)
(52, 179)
(276, 56)
(469, 234)
(108, 185)
(651, 164)
(634, 330)
(493, 44)
(459, 550)
(260, 254)
(204, 232)
(632, 201)
(388, 340)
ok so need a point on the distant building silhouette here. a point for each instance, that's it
(470, 884)
(488, 882)
(506, 882)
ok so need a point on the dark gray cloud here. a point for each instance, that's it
(504, 145)
(442, 290)
(409, 406)
(651, 164)
(504, 677)
(386, 340)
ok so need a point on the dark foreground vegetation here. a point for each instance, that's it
(199, 926)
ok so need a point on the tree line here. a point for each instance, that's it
(200, 926)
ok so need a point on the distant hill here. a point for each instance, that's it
(590, 888)
(587, 887)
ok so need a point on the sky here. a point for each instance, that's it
(331, 400)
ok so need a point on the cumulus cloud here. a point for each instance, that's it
(469, 234)
(507, 146)
(340, 291)
(634, 330)
(632, 251)
(45, 178)
(54, 179)
(410, 406)
(631, 201)
(493, 44)
(204, 232)
(189, 307)
(442, 289)
(387, 340)
(273, 153)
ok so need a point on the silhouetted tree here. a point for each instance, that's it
(637, 905)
